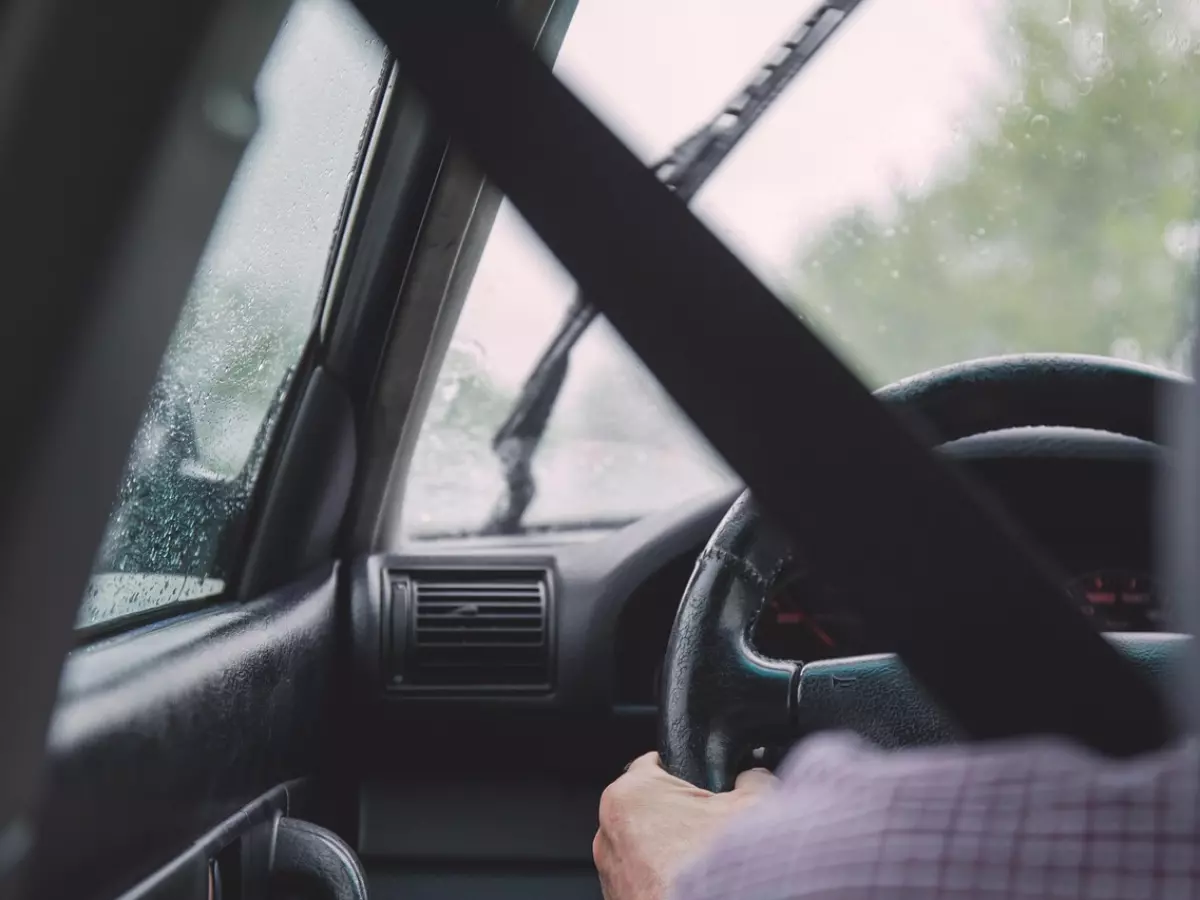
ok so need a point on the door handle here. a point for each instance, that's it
(312, 863)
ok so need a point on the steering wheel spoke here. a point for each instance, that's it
(878, 699)
(714, 676)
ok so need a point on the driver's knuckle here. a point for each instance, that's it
(611, 804)
(597, 850)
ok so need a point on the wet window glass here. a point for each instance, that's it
(199, 448)
(947, 180)
(1024, 179)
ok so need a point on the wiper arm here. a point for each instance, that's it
(684, 170)
(517, 439)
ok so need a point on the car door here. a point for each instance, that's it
(198, 699)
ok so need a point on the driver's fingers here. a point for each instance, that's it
(755, 781)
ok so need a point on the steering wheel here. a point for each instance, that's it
(718, 691)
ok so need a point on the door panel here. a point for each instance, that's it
(164, 732)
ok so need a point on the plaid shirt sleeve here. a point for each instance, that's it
(1020, 819)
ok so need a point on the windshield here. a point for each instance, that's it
(1022, 180)
(945, 181)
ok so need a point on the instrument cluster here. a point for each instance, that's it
(804, 620)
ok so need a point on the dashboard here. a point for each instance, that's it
(578, 690)
(1084, 497)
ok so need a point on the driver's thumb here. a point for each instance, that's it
(755, 781)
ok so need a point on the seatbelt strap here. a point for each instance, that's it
(938, 571)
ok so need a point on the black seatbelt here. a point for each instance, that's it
(973, 609)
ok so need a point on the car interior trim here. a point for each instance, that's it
(264, 668)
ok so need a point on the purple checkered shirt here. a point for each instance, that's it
(1021, 819)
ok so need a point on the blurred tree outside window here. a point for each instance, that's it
(1066, 220)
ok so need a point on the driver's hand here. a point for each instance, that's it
(652, 824)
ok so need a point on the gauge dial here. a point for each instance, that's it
(806, 621)
(1118, 600)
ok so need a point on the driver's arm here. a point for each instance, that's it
(1020, 819)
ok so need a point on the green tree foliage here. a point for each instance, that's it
(1065, 224)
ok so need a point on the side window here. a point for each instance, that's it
(251, 308)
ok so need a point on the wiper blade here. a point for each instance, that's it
(684, 170)
(517, 439)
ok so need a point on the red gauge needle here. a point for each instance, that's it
(817, 630)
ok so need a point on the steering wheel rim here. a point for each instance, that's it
(717, 689)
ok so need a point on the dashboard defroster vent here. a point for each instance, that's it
(470, 631)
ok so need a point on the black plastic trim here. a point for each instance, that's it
(297, 527)
(405, 160)
(187, 875)
(590, 582)
(163, 732)
(350, 224)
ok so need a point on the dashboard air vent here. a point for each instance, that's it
(471, 631)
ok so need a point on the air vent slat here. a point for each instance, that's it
(447, 664)
(502, 641)
(482, 623)
(482, 590)
(476, 631)
(478, 609)
(469, 629)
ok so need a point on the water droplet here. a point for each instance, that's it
(1039, 123)
(231, 113)
(895, 273)
(981, 231)
(890, 232)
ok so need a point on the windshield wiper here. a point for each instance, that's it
(684, 170)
